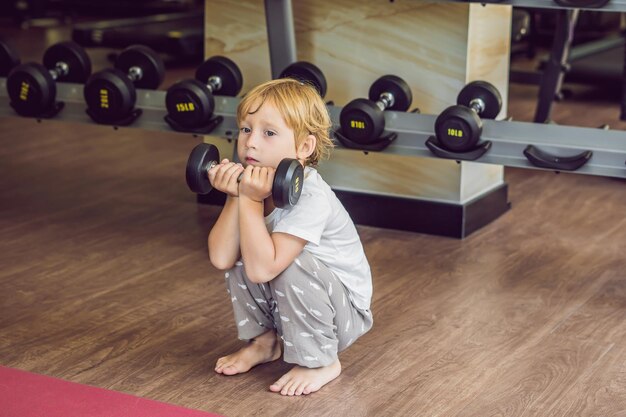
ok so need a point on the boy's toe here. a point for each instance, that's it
(278, 385)
(300, 388)
(288, 388)
(230, 370)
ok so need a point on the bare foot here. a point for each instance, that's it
(261, 349)
(301, 380)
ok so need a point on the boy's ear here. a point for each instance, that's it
(306, 148)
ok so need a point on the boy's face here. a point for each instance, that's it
(264, 138)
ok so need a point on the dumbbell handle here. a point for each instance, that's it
(211, 164)
(214, 83)
(385, 100)
(59, 70)
(478, 105)
(135, 73)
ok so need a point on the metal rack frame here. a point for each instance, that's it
(509, 139)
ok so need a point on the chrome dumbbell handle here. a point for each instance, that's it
(211, 164)
(135, 73)
(385, 101)
(214, 83)
(478, 105)
(60, 69)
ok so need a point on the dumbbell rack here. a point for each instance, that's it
(509, 139)
(612, 6)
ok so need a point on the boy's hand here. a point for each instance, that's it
(256, 182)
(224, 176)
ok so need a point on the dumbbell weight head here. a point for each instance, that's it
(363, 121)
(32, 87)
(198, 164)
(8, 59)
(288, 181)
(190, 103)
(307, 73)
(226, 70)
(458, 128)
(74, 56)
(484, 91)
(109, 95)
(151, 64)
(397, 87)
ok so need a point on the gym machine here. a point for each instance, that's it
(604, 61)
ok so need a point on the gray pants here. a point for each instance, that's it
(306, 304)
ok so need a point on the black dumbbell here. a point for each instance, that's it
(363, 121)
(307, 73)
(9, 59)
(32, 86)
(190, 103)
(458, 128)
(111, 94)
(288, 178)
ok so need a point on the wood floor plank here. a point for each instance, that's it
(534, 380)
(600, 391)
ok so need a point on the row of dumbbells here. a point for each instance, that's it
(110, 94)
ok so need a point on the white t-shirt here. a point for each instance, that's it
(321, 220)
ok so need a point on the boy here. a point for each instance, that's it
(298, 277)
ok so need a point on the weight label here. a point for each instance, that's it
(182, 107)
(455, 132)
(297, 185)
(357, 124)
(24, 88)
(104, 98)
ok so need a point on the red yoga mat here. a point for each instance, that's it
(24, 394)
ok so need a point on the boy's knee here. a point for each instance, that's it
(296, 273)
(236, 274)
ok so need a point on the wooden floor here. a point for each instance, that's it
(105, 281)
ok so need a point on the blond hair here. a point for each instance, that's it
(301, 107)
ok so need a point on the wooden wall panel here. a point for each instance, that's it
(430, 45)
